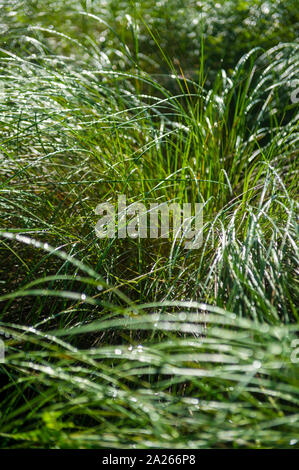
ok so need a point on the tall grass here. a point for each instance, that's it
(141, 343)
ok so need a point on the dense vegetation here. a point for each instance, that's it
(140, 343)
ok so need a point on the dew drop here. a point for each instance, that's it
(257, 364)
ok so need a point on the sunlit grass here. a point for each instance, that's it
(142, 343)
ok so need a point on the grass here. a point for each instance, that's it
(139, 343)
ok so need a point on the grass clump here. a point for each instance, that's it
(139, 343)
